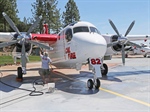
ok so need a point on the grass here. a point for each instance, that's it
(9, 60)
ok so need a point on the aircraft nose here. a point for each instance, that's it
(93, 44)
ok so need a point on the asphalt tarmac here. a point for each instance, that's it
(125, 89)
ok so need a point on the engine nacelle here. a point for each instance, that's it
(117, 47)
(113, 49)
(19, 47)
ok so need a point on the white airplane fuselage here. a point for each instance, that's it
(82, 46)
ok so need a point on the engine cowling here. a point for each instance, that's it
(19, 47)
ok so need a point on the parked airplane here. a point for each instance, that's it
(143, 49)
(77, 44)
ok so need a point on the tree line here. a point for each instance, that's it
(45, 8)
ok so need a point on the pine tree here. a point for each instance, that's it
(10, 8)
(49, 12)
(71, 14)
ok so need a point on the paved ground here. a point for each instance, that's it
(126, 89)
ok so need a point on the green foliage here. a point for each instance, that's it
(10, 8)
(49, 12)
(9, 59)
(71, 14)
(22, 27)
(45, 8)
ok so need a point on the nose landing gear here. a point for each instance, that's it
(96, 83)
(99, 71)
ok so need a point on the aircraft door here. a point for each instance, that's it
(70, 45)
(58, 54)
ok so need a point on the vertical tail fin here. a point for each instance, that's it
(45, 28)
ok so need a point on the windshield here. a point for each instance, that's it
(80, 29)
(93, 29)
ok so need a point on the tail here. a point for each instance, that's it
(45, 28)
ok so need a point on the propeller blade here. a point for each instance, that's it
(133, 44)
(4, 44)
(40, 45)
(129, 29)
(112, 43)
(123, 54)
(11, 23)
(23, 56)
(34, 25)
(114, 27)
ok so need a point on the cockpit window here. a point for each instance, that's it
(68, 34)
(80, 29)
(93, 29)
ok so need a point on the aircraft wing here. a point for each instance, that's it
(134, 44)
(138, 37)
(6, 36)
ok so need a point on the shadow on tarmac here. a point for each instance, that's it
(125, 73)
(72, 83)
(8, 83)
(75, 86)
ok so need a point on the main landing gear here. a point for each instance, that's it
(103, 70)
(19, 78)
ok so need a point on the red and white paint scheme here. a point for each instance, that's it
(78, 44)
(142, 50)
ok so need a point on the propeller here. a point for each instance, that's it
(23, 56)
(11, 23)
(22, 39)
(4, 44)
(34, 25)
(122, 39)
(40, 45)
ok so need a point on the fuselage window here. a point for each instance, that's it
(94, 30)
(68, 35)
(80, 29)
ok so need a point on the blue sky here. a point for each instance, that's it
(121, 12)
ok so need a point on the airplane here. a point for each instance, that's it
(142, 49)
(78, 44)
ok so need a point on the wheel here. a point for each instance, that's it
(126, 55)
(105, 71)
(98, 83)
(144, 56)
(19, 70)
(90, 84)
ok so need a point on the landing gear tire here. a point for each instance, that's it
(126, 55)
(90, 83)
(97, 84)
(105, 71)
(145, 55)
(20, 74)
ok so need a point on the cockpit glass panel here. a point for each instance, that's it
(68, 35)
(93, 29)
(80, 29)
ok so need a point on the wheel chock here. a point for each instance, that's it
(19, 79)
